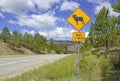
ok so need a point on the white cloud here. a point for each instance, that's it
(63, 33)
(12, 22)
(45, 4)
(69, 5)
(107, 5)
(17, 6)
(97, 1)
(32, 32)
(2, 16)
(86, 34)
(99, 5)
(43, 33)
(41, 22)
(20, 9)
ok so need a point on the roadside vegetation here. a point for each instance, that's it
(36, 43)
(92, 68)
(104, 42)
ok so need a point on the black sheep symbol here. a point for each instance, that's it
(76, 18)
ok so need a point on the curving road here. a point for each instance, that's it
(14, 65)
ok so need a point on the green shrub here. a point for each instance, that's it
(94, 67)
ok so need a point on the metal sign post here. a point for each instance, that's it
(78, 61)
(78, 19)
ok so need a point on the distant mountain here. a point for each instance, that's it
(65, 43)
(72, 46)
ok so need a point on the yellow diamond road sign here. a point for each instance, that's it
(78, 19)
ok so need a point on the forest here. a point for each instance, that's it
(36, 43)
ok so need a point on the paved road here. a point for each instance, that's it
(14, 65)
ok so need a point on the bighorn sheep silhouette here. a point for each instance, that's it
(78, 19)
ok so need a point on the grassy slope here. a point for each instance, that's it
(62, 70)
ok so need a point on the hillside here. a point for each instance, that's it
(71, 46)
(65, 43)
(5, 49)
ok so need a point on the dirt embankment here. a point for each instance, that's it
(4, 49)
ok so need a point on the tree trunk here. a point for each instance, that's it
(106, 45)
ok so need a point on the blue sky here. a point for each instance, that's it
(48, 17)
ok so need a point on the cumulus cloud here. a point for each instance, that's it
(59, 32)
(20, 9)
(2, 16)
(32, 32)
(107, 5)
(86, 34)
(97, 1)
(45, 4)
(69, 5)
(63, 33)
(42, 22)
(100, 4)
(16, 6)
(12, 22)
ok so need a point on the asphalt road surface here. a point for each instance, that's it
(11, 66)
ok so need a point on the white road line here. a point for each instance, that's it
(20, 61)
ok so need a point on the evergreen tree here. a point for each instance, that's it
(91, 35)
(39, 42)
(5, 34)
(16, 38)
(116, 7)
(28, 39)
(101, 29)
(51, 43)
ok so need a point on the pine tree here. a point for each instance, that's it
(51, 43)
(91, 35)
(5, 34)
(116, 7)
(39, 42)
(16, 38)
(101, 28)
(28, 39)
